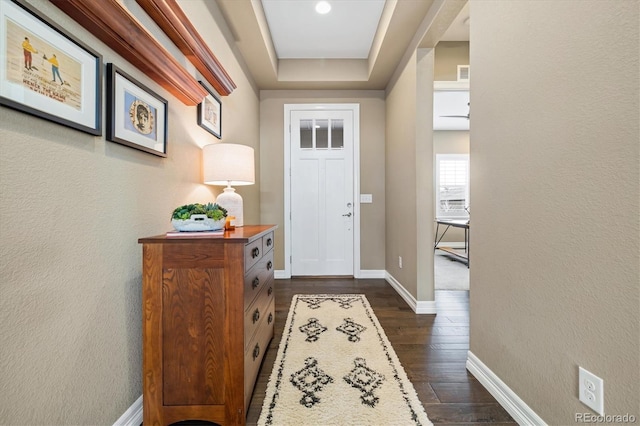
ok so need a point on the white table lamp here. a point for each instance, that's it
(229, 164)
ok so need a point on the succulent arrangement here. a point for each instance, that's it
(213, 211)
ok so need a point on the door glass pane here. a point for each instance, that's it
(306, 133)
(337, 135)
(322, 134)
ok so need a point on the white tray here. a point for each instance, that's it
(197, 222)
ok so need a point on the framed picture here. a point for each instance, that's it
(136, 116)
(46, 72)
(210, 114)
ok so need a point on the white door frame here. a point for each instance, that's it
(355, 108)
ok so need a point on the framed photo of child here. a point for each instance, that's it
(136, 116)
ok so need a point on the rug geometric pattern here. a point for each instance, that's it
(310, 381)
(312, 329)
(335, 366)
(365, 380)
(351, 329)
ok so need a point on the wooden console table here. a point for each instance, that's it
(208, 315)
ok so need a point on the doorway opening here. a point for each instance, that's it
(451, 160)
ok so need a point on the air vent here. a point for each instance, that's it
(463, 72)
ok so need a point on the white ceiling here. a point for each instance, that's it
(447, 103)
(346, 31)
(358, 45)
(459, 28)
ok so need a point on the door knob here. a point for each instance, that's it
(347, 215)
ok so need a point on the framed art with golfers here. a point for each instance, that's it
(46, 72)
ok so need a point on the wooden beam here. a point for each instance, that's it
(175, 24)
(112, 23)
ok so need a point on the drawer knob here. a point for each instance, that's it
(270, 319)
(255, 252)
(269, 242)
(269, 291)
(269, 265)
(256, 351)
(256, 316)
(255, 283)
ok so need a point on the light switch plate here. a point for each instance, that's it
(366, 198)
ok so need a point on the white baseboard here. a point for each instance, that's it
(519, 410)
(426, 307)
(371, 273)
(133, 416)
(363, 273)
(423, 307)
(281, 274)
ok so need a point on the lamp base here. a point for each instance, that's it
(231, 201)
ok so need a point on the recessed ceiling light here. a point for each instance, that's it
(323, 7)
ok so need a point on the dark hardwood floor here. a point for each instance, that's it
(432, 348)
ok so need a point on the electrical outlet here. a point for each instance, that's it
(400, 262)
(591, 390)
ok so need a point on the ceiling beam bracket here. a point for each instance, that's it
(175, 24)
(112, 23)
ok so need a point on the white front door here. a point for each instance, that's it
(322, 192)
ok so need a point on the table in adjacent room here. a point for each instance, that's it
(456, 223)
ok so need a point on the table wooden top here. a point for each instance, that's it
(243, 234)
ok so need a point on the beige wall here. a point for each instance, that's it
(555, 184)
(409, 177)
(72, 207)
(372, 131)
(450, 54)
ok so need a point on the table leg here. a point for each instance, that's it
(437, 241)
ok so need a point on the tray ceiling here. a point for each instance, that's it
(286, 45)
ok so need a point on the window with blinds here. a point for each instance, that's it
(452, 186)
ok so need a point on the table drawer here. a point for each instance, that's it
(257, 277)
(268, 242)
(257, 313)
(252, 253)
(255, 352)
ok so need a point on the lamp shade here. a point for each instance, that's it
(228, 164)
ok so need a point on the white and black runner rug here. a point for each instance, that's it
(335, 366)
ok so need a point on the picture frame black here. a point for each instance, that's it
(137, 117)
(46, 72)
(210, 113)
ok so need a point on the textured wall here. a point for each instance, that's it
(400, 179)
(409, 177)
(555, 185)
(372, 129)
(72, 207)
